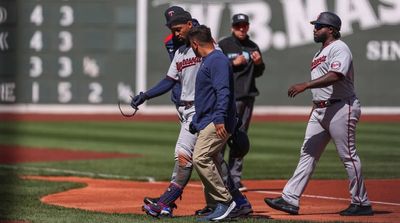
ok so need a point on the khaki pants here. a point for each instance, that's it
(208, 166)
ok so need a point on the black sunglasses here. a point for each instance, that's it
(318, 26)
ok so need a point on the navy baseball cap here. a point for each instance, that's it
(240, 18)
(328, 18)
(176, 15)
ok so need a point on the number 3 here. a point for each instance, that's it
(67, 17)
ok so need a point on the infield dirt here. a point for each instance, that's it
(322, 200)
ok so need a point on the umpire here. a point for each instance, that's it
(247, 63)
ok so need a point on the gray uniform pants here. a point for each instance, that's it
(184, 148)
(336, 122)
(244, 109)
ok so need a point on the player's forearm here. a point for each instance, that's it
(162, 87)
(324, 81)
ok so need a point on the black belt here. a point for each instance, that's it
(327, 103)
(187, 104)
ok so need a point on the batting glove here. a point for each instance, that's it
(138, 100)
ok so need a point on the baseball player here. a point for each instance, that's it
(172, 44)
(183, 69)
(335, 114)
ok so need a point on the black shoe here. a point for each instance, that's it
(149, 200)
(280, 204)
(205, 211)
(357, 210)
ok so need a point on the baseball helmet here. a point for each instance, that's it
(239, 144)
(328, 18)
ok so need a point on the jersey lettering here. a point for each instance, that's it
(317, 62)
(187, 63)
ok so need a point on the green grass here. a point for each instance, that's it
(274, 155)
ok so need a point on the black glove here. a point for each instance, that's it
(138, 100)
(192, 129)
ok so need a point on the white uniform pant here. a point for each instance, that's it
(336, 122)
(184, 148)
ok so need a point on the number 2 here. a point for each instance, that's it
(95, 93)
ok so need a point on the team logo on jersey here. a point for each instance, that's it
(336, 65)
(187, 63)
(315, 63)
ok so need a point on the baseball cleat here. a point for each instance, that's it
(203, 212)
(357, 210)
(150, 200)
(157, 211)
(152, 210)
(280, 204)
(243, 208)
(166, 212)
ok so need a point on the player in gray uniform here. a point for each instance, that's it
(183, 69)
(172, 44)
(335, 114)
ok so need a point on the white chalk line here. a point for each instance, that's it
(78, 173)
(309, 196)
(326, 197)
(152, 180)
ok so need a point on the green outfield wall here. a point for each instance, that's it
(96, 52)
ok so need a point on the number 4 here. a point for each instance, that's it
(37, 15)
(36, 42)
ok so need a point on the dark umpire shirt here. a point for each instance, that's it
(214, 98)
(245, 74)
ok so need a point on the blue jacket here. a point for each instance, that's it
(214, 98)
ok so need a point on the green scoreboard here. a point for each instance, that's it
(88, 54)
(66, 52)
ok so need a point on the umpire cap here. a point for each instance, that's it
(240, 18)
(328, 18)
(239, 144)
(176, 15)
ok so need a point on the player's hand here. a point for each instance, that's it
(221, 131)
(239, 60)
(138, 100)
(256, 57)
(192, 129)
(297, 89)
